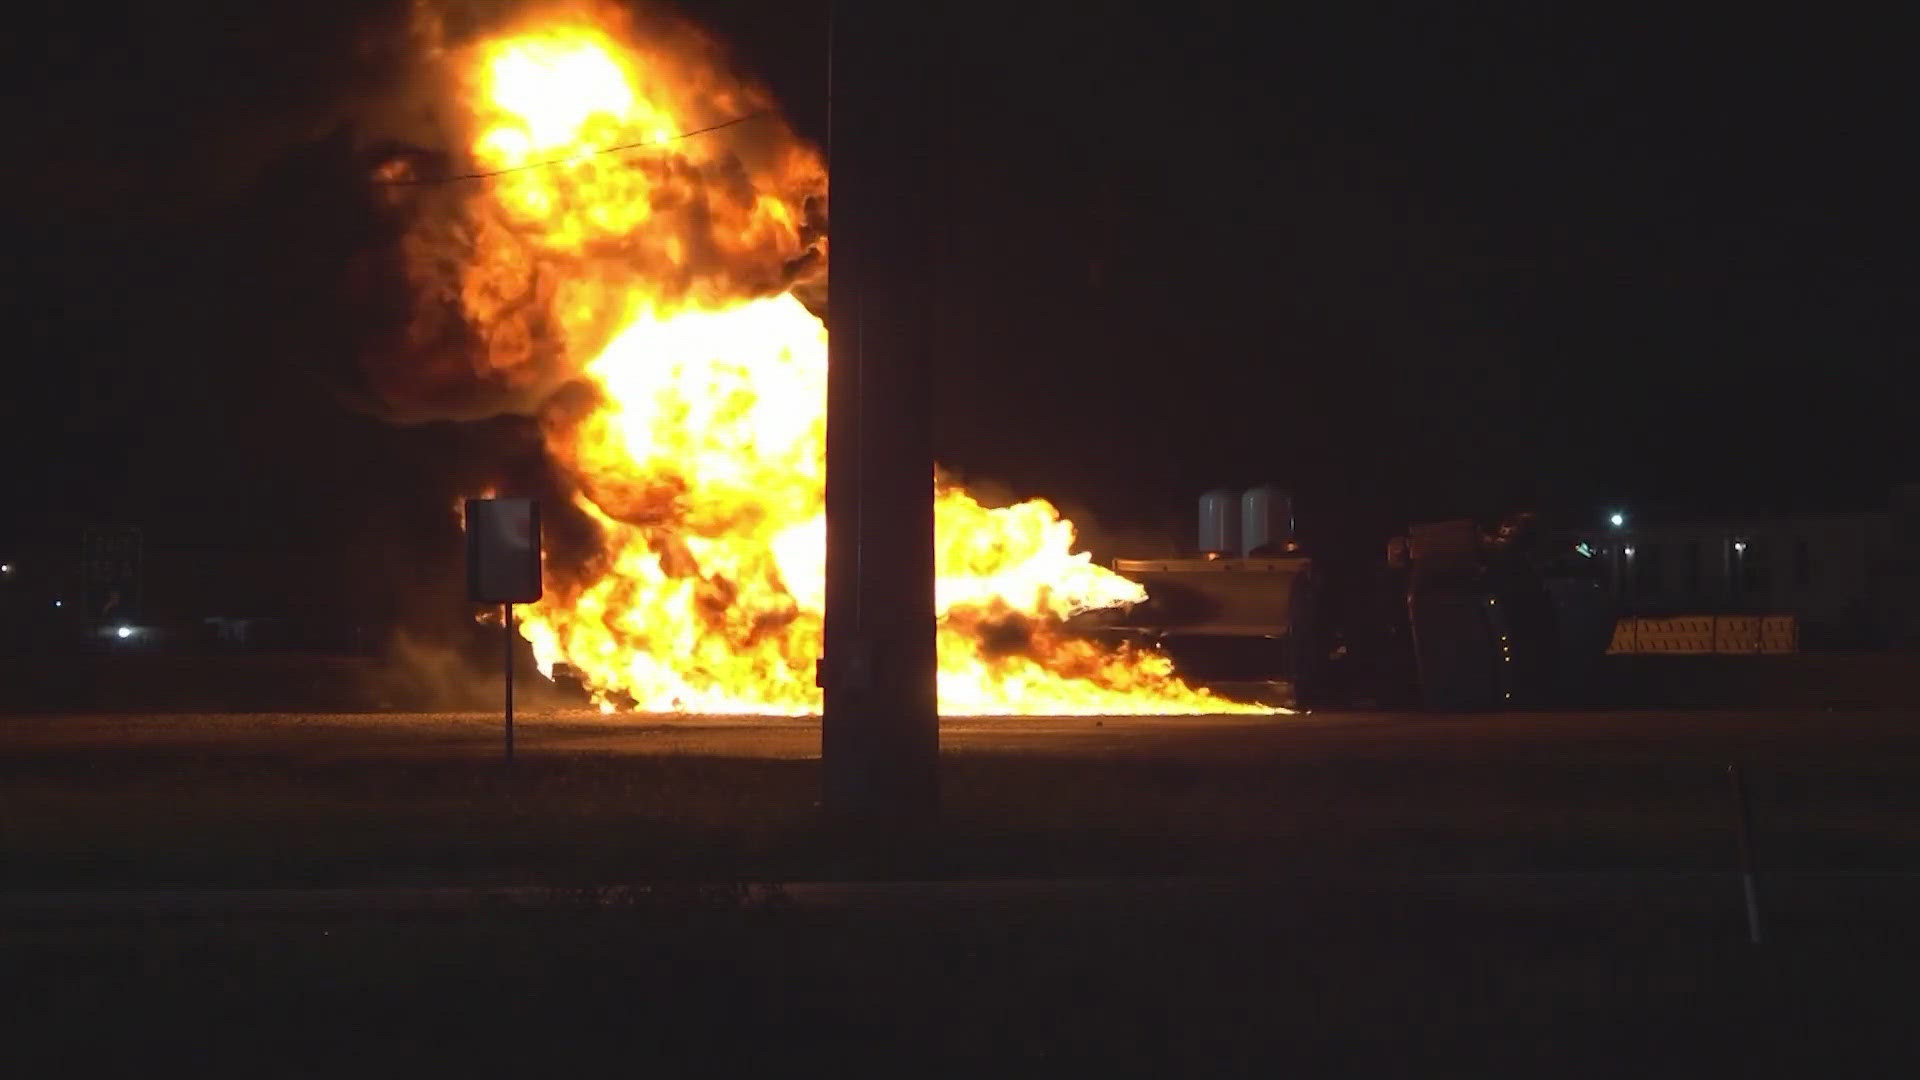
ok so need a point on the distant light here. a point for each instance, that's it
(1629, 550)
(6, 568)
(123, 633)
(1739, 545)
(1617, 519)
(57, 603)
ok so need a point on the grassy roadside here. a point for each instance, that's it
(1315, 985)
(1301, 977)
(190, 816)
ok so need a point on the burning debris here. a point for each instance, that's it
(630, 258)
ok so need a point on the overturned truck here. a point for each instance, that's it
(1450, 617)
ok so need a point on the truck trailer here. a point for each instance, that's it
(1452, 616)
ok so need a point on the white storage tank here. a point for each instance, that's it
(1266, 521)
(1220, 524)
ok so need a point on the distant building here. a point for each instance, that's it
(79, 590)
(1850, 579)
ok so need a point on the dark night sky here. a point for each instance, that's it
(1407, 261)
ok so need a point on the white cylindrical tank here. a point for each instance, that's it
(1266, 521)
(1220, 523)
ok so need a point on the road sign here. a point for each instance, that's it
(110, 560)
(503, 567)
(503, 551)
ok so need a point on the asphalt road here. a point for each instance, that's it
(1889, 736)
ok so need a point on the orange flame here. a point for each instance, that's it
(663, 277)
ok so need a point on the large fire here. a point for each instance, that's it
(661, 279)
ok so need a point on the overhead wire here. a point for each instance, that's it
(640, 144)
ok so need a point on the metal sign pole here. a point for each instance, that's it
(1743, 819)
(506, 623)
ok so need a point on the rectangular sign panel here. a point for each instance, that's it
(503, 551)
(110, 572)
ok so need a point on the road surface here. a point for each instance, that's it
(1890, 736)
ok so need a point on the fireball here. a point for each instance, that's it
(657, 270)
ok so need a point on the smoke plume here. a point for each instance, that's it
(496, 318)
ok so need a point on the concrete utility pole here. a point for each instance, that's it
(880, 736)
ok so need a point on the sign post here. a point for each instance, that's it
(1743, 818)
(506, 621)
(503, 567)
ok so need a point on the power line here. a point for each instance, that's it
(641, 144)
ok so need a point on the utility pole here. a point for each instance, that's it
(880, 735)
